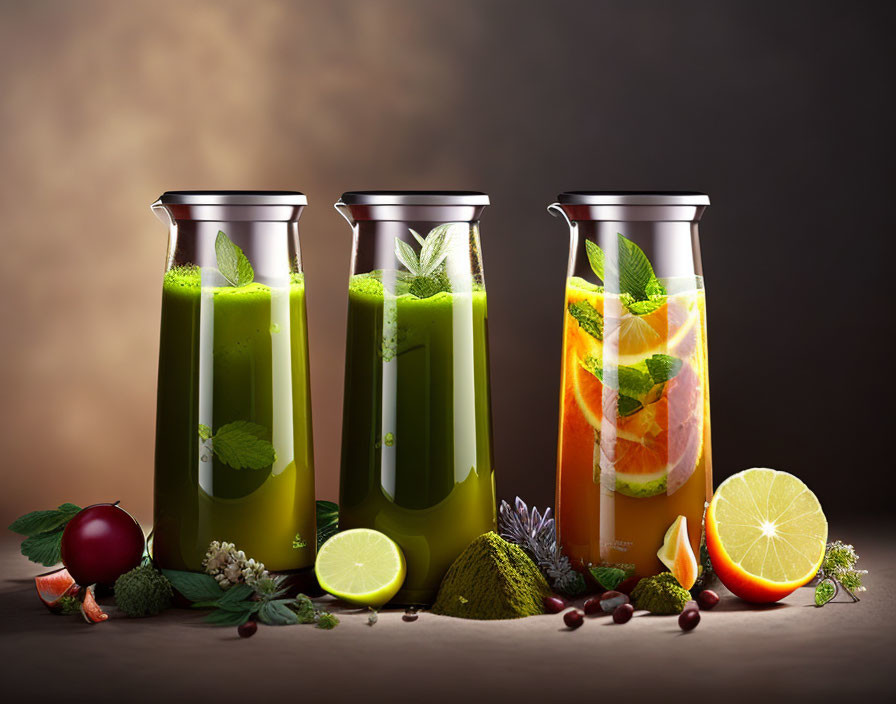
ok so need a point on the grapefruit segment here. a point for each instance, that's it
(52, 586)
(676, 553)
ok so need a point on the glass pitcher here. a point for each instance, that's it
(233, 457)
(634, 441)
(416, 433)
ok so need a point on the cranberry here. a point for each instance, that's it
(573, 619)
(592, 606)
(688, 619)
(623, 613)
(247, 629)
(707, 599)
(553, 604)
(101, 543)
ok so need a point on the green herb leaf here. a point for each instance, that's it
(595, 258)
(223, 617)
(627, 406)
(44, 548)
(608, 577)
(642, 307)
(232, 263)
(435, 249)
(825, 591)
(588, 318)
(195, 586)
(417, 236)
(238, 592)
(38, 522)
(327, 521)
(277, 613)
(663, 367)
(243, 445)
(205, 433)
(407, 256)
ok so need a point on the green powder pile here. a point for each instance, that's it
(492, 579)
(661, 594)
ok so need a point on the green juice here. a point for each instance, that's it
(232, 354)
(416, 448)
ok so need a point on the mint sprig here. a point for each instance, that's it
(43, 533)
(588, 318)
(638, 384)
(241, 444)
(232, 263)
(427, 270)
(629, 270)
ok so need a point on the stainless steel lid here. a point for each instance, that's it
(414, 198)
(633, 198)
(233, 198)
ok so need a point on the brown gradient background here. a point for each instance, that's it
(782, 112)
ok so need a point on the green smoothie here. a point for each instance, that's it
(233, 430)
(416, 446)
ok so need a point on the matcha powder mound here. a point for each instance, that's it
(492, 579)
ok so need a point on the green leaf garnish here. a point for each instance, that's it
(38, 522)
(277, 613)
(588, 318)
(663, 367)
(639, 384)
(629, 270)
(407, 256)
(608, 577)
(428, 275)
(43, 531)
(825, 591)
(241, 444)
(195, 586)
(232, 263)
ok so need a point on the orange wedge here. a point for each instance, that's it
(677, 555)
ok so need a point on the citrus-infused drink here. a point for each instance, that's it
(416, 435)
(233, 460)
(634, 445)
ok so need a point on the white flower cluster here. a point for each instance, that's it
(230, 566)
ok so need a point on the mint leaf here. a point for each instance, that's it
(38, 522)
(588, 318)
(237, 593)
(205, 433)
(435, 249)
(243, 445)
(642, 307)
(663, 367)
(223, 617)
(195, 586)
(634, 269)
(417, 236)
(277, 613)
(407, 256)
(627, 406)
(327, 521)
(595, 258)
(232, 263)
(608, 577)
(44, 548)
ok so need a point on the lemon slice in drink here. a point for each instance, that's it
(766, 534)
(361, 566)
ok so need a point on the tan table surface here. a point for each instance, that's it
(790, 652)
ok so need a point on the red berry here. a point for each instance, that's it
(247, 629)
(553, 604)
(688, 619)
(592, 606)
(573, 619)
(100, 544)
(707, 599)
(623, 613)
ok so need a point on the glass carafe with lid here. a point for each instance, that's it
(234, 458)
(416, 435)
(634, 440)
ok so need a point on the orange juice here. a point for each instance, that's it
(634, 443)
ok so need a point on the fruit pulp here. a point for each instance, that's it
(416, 443)
(233, 354)
(634, 442)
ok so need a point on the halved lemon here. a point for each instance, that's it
(361, 566)
(766, 534)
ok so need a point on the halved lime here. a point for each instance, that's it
(361, 566)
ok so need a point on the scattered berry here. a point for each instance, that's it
(247, 629)
(623, 613)
(553, 604)
(592, 606)
(610, 600)
(409, 615)
(688, 619)
(573, 619)
(707, 599)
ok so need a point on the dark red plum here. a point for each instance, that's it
(101, 543)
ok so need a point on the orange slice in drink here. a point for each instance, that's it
(765, 533)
